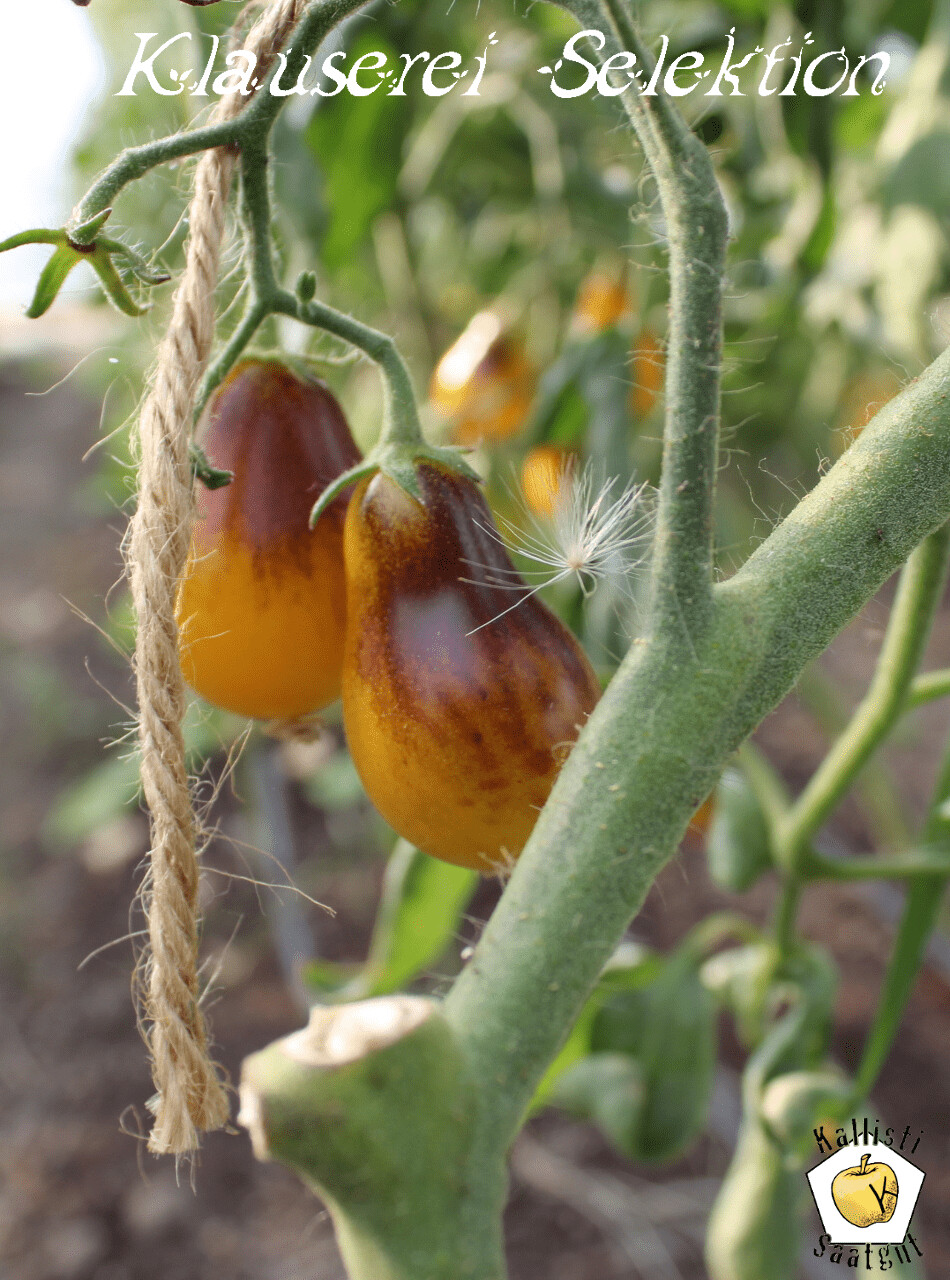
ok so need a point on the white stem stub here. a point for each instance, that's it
(336, 1036)
(333, 1038)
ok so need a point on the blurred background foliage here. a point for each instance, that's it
(521, 234)
(513, 245)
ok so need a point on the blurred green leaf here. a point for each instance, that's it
(741, 979)
(358, 143)
(419, 913)
(92, 802)
(418, 916)
(922, 175)
(641, 1058)
(631, 967)
(336, 784)
(109, 788)
(737, 846)
(669, 1028)
(607, 1089)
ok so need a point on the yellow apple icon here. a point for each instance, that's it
(865, 1194)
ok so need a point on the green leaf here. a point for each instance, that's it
(419, 913)
(329, 979)
(113, 284)
(753, 1231)
(86, 232)
(737, 846)
(794, 1104)
(358, 144)
(52, 278)
(668, 1028)
(422, 904)
(37, 235)
(922, 175)
(339, 485)
(210, 476)
(607, 1089)
(630, 968)
(741, 979)
(110, 788)
(100, 796)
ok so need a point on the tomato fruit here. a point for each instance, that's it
(602, 301)
(648, 361)
(262, 604)
(546, 475)
(860, 401)
(484, 383)
(457, 719)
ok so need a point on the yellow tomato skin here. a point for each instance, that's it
(262, 603)
(700, 822)
(457, 719)
(648, 363)
(546, 478)
(484, 383)
(602, 301)
(862, 398)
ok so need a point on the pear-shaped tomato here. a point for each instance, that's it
(261, 607)
(547, 477)
(862, 398)
(457, 713)
(648, 362)
(484, 383)
(602, 302)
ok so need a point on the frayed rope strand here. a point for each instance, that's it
(190, 1096)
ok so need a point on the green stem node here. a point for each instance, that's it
(374, 1105)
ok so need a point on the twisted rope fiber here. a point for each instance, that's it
(190, 1096)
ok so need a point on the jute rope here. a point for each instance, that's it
(190, 1096)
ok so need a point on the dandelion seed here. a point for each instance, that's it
(598, 531)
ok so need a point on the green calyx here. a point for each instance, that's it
(84, 244)
(398, 460)
(203, 469)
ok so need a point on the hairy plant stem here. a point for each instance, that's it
(426, 1121)
(666, 726)
(696, 228)
(252, 125)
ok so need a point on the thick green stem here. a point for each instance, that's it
(665, 727)
(374, 1105)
